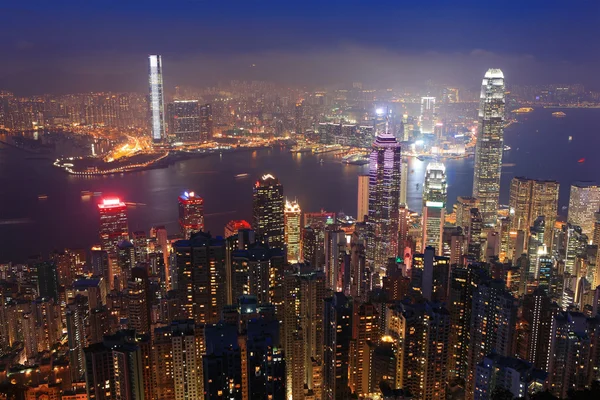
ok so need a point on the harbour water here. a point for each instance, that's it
(540, 148)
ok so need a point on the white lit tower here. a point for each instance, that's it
(427, 117)
(490, 144)
(157, 102)
(292, 217)
(434, 206)
(384, 200)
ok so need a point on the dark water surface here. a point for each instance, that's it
(540, 149)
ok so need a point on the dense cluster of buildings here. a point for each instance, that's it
(396, 304)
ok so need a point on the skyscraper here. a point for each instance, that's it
(490, 145)
(293, 215)
(337, 334)
(113, 229)
(157, 102)
(363, 198)
(191, 213)
(584, 201)
(384, 201)
(268, 211)
(434, 206)
(206, 122)
(184, 121)
(427, 118)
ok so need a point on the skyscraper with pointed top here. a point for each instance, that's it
(384, 200)
(490, 144)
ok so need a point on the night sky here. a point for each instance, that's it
(65, 46)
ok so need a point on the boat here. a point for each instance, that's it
(523, 110)
(506, 148)
(570, 138)
(42, 196)
(97, 194)
(241, 175)
(85, 193)
(581, 160)
(559, 114)
(321, 161)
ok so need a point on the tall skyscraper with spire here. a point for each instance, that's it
(384, 200)
(157, 101)
(490, 144)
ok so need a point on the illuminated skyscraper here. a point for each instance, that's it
(157, 102)
(191, 214)
(113, 229)
(184, 121)
(530, 199)
(206, 123)
(268, 213)
(293, 214)
(584, 201)
(363, 198)
(427, 115)
(434, 206)
(384, 201)
(490, 145)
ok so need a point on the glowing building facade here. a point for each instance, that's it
(191, 214)
(113, 230)
(427, 118)
(293, 215)
(384, 200)
(490, 145)
(157, 102)
(584, 201)
(268, 211)
(434, 206)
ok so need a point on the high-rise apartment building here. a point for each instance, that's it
(363, 198)
(427, 118)
(206, 123)
(337, 335)
(268, 211)
(157, 101)
(384, 201)
(184, 121)
(584, 201)
(293, 237)
(434, 206)
(490, 145)
(191, 213)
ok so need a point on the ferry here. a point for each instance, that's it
(86, 193)
(321, 161)
(523, 110)
(559, 114)
(42, 196)
(241, 175)
(507, 148)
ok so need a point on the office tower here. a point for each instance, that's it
(99, 321)
(538, 311)
(490, 145)
(493, 319)
(536, 247)
(48, 321)
(576, 245)
(430, 275)
(365, 328)
(157, 101)
(140, 243)
(292, 216)
(138, 301)
(313, 246)
(114, 368)
(463, 281)
(403, 182)
(201, 275)
(335, 250)
(396, 286)
(462, 209)
(572, 352)
(529, 199)
(337, 334)
(206, 123)
(184, 121)
(474, 235)
(47, 280)
(363, 198)
(76, 317)
(421, 335)
(257, 271)
(268, 211)
(384, 201)
(584, 201)
(513, 375)
(434, 206)
(359, 280)
(321, 218)
(427, 118)
(304, 291)
(113, 229)
(191, 214)
(234, 226)
(222, 364)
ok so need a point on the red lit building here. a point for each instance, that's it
(113, 224)
(191, 214)
(234, 226)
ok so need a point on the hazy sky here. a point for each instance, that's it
(66, 45)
